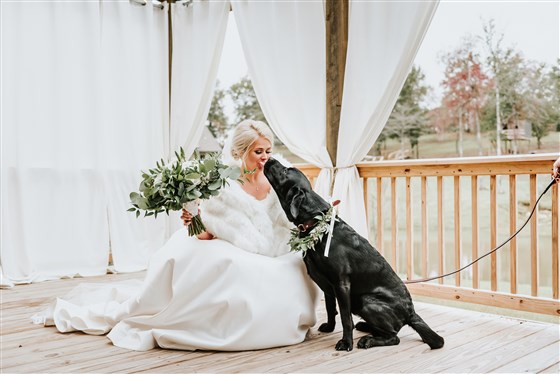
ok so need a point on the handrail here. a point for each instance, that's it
(437, 185)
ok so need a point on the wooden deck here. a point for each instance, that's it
(475, 342)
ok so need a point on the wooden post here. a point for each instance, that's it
(336, 28)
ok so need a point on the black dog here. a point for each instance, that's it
(354, 273)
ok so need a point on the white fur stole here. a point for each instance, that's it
(255, 226)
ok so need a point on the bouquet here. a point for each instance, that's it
(182, 184)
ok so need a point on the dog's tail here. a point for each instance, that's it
(428, 335)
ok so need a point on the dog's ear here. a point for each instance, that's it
(297, 199)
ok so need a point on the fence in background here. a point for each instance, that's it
(430, 217)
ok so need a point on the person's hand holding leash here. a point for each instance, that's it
(556, 170)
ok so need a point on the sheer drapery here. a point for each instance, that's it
(84, 107)
(85, 98)
(50, 165)
(82, 113)
(383, 38)
(198, 38)
(134, 111)
(284, 45)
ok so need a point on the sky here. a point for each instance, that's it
(532, 27)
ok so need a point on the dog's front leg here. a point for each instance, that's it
(330, 303)
(342, 292)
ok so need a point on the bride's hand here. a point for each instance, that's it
(187, 218)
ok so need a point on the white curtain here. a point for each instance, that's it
(82, 113)
(198, 38)
(284, 44)
(49, 161)
(134, 111)
(383, 38)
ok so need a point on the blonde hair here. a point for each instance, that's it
(246, 133)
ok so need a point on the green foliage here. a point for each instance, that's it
(554, 85)
(217, 120)
(528, 92)
(408, 119)
(316, 234)
(170, 185)
(245, 101)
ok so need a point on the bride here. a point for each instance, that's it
(234, 287)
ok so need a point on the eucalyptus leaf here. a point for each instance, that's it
(215, 185)
(209, 164)
(192, 176)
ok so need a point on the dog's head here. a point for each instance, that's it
(299, 201)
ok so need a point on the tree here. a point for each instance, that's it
(217, 120)
(541, 105)
(406, 122)
(511, 81)
(245, 101)
(408, 119)
(524, 91)
(495, 57)
(554, 85)
(466, 88)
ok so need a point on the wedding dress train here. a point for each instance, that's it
(240, 292)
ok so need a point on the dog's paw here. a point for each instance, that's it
(326, 327)
(369, 341)
(366, 342)
(343, 345)
(363, 327)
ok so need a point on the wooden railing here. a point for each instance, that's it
(455, 210)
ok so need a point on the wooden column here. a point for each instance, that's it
(336, 28)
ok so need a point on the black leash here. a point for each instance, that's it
(492, 251)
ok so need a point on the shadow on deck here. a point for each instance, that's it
(475, 342)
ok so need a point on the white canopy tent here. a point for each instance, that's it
(85, 106)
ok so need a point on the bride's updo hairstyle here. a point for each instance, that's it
(245, 134)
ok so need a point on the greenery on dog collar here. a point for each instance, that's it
(298, 244)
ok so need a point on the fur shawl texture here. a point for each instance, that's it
(256, 226)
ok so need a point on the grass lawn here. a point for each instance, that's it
(445, 146)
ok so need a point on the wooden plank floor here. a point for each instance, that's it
(475, 342)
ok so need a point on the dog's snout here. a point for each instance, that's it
(269, 163)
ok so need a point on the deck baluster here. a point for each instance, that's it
(512, 230)
(474, 224)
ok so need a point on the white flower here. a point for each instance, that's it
(187, 165)
(192, 207)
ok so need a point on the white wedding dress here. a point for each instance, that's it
(242, 291)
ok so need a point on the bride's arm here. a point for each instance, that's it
(187, 217)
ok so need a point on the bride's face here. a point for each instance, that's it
(258, 154)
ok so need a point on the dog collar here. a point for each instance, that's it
(303, 227)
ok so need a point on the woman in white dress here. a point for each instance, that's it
(235, 287)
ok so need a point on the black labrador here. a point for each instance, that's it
(354, 273)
